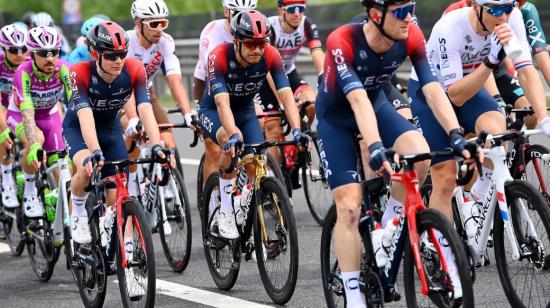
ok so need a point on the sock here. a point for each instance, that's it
(30, 187)
(226, 187)
(351, 287)
(480, 187)
(447, 253)
(79, 209)
(7, 178)
(132, 184)
(393, 208)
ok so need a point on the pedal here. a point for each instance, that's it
(391, 295)
(249, 252)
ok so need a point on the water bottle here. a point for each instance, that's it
(150, 202)
(513, 48)
(105, 225)
(20, 181)
(50, 202)
(384, 237)
(242, 210)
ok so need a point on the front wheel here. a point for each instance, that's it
(42, 253)
(442, 285)
(138, 280)
(12, 222)
(277, 247)
(530, 218)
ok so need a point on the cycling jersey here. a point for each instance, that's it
(7, 72)
(289, 43)
(79, 54)
(161, 55)
(214, 34)
(535, 33)
(456, 50)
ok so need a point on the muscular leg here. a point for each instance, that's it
(309, 96)
(273, 132)
(530, 121)
(212, 154)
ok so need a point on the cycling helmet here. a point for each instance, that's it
(88, 24)
(384, 3)
(12, 36)
(107, 36)
(27, 17)
(494, 2)
(149, 9)
(520, 3)
(43, 38)
(250, 24)
(42, 19)
(21, 26)
(281, 3)
(102, 16)
(240, 5)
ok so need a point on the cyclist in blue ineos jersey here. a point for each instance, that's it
(235, 73)
(360, 58)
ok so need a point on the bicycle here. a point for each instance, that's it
(166, 205)
(415, 236)
(517, 236)
(267, 214)
(135, 267)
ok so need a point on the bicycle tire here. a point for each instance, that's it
(332, 289)
(13, 230)
(278, 243)
(132, 208)
(275, 167)
(433, 219)
(37, 249)
(533, 160)
(515, 190)
(200, 182)
(224, 281)
(178, 160)
(181, 216)
(317, 208)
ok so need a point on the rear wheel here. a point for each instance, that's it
(333, 286)
(316, 188)
(200, 183)
(12, 222)
(537, 170)
(42, 253)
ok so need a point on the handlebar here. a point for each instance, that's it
(260, 147)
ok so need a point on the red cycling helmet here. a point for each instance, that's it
(107, 36)
(251, 25)
(282, 3)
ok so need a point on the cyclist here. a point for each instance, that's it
(100, 89)
(291, 31)
(156, 49)
(46, 20)
(14, 52)
(458, 5)
(464, 48)
(360, 59)
(33, 115)
(236, 71)
(215, 33)
(81, 52)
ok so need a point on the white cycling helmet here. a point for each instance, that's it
(42, 19)
(13, 36)
(240, 5)
(43, 38)
(149, 9)
(494, 2)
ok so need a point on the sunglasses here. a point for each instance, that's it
(402, 12)
(115, 55)
(47, 53)
(293, 9)
(252, 45)
(159, 24)
(499, 10)
(17, 50)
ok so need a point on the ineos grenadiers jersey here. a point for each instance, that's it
(535, 33)
(289, 44)
(6, 78)
(105, 99)
(32, 90)
(456, 50)
(351, 64)
(213, 35)
(227, 76)
(161, 55)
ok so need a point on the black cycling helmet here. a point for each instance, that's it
(250, 24)
(384, 3)
(107, 36)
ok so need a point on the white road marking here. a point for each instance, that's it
(189, 161)
(4, 248)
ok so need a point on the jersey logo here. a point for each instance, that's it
(283, 43)
(152, 67)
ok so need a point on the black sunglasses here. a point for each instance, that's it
(47, 53)
(16, 50)
(115, 55)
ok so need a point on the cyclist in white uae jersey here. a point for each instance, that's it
(215, 33)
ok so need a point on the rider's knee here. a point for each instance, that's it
(272, 128)
(348, 209)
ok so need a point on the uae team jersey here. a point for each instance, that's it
(105, 100)
(351, 64)
(227, 76)
(289, 44)
(35, 90)
(214, 34)
(456, 50)
(7, 72)
(161, 55)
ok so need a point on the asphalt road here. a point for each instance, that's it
(20, 288)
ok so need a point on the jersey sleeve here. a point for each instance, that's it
(138, 78)
(80, 81)
(518, 26)
(275, 67)
(171, 63)
(205, 47)
(65, 76)
(216, 71)
(339, 62)
(312, 34)
(22, 88)
(416, 49)
(448, 51)
(535, 32)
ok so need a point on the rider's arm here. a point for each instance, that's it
(491, 85)
(199, 75)
(364, 115)
(440, 106)
(178, 92)
(27, 108)
(283, 90)
(225, 114)
(314, 44)
(80, 102)
(172, 70)
(87, 127)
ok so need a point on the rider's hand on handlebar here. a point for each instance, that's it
(545, 126)
(301, 138)
(97, 155)
(5, 138)
(378, 161)
(229, 146)
(190, 120)
(32, 156)
(461, 146)
(163, 153)
(131, 129)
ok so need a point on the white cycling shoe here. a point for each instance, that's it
(80, 230)
(32, 206)
(227, 226)
(9, 197)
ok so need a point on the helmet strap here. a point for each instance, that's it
(10, 65)
(100, 63)
(240, 49)
(380, 25)
(286, 22)
(143, 34)
(480, 18)
(40, 73)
